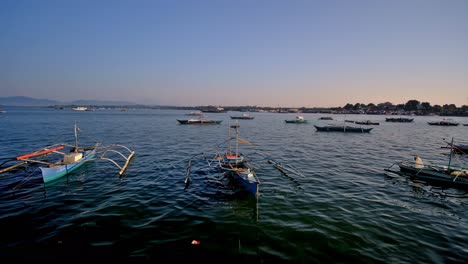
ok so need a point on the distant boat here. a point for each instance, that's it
(368, 122)
(325, 118)
(443, 123)
(349, 121)
(195, 114)
(214, 110)
(298, 120)
(346, 129)
(199, 121)
(399, 119)
(2, 111)
(80, 108)
(244, 116)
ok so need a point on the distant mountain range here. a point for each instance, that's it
(28, 101)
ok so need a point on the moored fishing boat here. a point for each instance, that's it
(69, 161)
(457, 148)
(439, 174)
(346, 129)
(443, 123)
(200, 121)
(399, 119)
(195, 114)
(368, 122)
(447, 175)
(243, 116)
(80, 108)
(298, 120)
(236, 164)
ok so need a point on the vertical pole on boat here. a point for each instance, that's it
(230, 140)
(237, 142)
(450, 156)
(76, 138)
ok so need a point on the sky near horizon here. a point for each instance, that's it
(289, 53)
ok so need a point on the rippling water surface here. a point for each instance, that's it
(344, 209)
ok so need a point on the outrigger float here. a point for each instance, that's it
(71, 160)
(236, 165)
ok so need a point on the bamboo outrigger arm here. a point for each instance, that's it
(25, 159)
(126, 158)
(13, 167)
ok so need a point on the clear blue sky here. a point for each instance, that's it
(265, 53)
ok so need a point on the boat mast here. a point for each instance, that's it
(450, 156)
(230, 138)
(76, 138)
(237, 141)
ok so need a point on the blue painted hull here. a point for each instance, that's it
(242, 172)
(50, 174)
(251, 186)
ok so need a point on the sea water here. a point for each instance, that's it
(345, 208)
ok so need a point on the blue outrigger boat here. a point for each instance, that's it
(236, 164)
(231, 163)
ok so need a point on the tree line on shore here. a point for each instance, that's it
(412, 107)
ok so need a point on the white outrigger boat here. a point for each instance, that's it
(71, 160)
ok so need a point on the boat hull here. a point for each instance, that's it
(399, 120)
(437, 175)
(49, 174)
(343, 129)
(243, 117)
(433, 174)
(251, 186)
(367, 123)
(199, 122)
(295, 121)
(442, 123)
(241, 172)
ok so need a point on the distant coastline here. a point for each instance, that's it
(411, 107)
